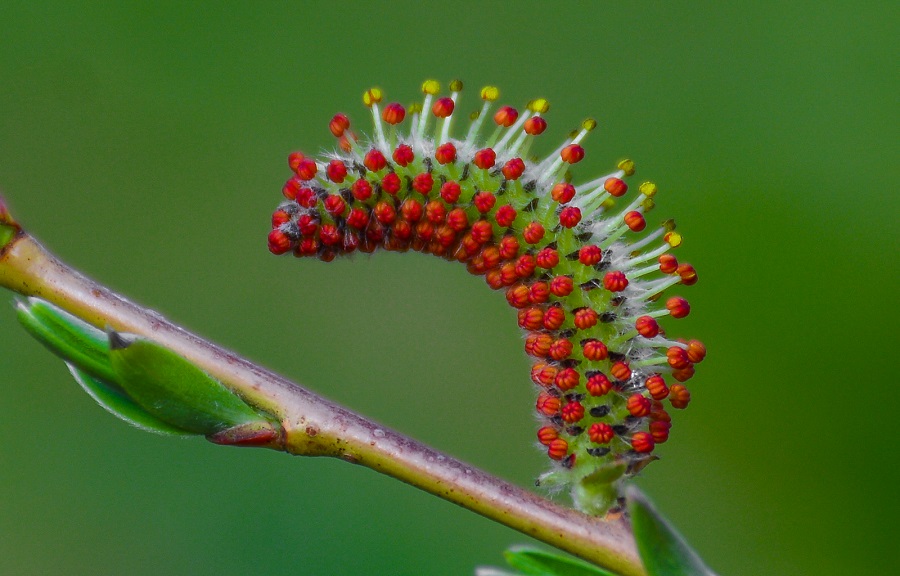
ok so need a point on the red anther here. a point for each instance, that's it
(615, 186)
(505, 215)
(425, 229)
(326, 254)
(601, 433)
(517, 296)
(668, 264)
(445, 153)
(403, 155)
(635, 221)
(393, 113)
(696, 351)
(547, 258)
(572, 154)
(450, 192)
(344, 143)
(560, 349)
(679, 396)
(375, 160)
(490, 256)
(279, 217)
(279, 242)
(540, 292)
(547, 434)
(306, 169)
(445, 236)
(508, 275)
(294, 160)
(562, 286)
(642, 442)
(590, 255)
(339, 123)
(335, 205)
(384, 212)
(469, 247)
(585, 318)
(330, 235)
(482, 231)
(677, 357)
(375, 231)
(598, 384)
(361, 190)
(307, 198)
(647, 326)
(457, 220)
(442, 107)
(615, 281)
(358, 218)
(531, 318)
(688, 274)
(435, 212)
(291, 187)
(620, 371)
(525, 265)
(336, 171)
(506, 116)
(570, 216)
(543, 374)
(423, 183)
(638, 405)
(562, 192)
(307, 247)
(658, 413)
(535, 125)
(402, 230)
(594, 350)
(656, 386)
(554, 316)
(509, 247)
(684, 374)
(678, 307)
(307, 224)
(567, 379)
(533, 232)
(538, 345)
(558, 449)
(391, 183)
(547, 405)
(513, 169)
(411, 209)
(351, 241)
(492, 277)
(660, 431)
(572, 412)
(484, 201)
(485, 158)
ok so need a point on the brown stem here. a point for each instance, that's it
(315, 426)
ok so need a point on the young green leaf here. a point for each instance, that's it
(117, 403)
(67, 336)
(663, 551)
(535, 562)
(174, 390)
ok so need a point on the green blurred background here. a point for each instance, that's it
(146, 145)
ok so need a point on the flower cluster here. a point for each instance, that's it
(579, 262)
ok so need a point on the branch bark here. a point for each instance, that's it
(315, 426)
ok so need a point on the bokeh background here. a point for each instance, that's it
(145, 143)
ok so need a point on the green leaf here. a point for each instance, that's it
(117, 403)
(535, 562)
(67, 336)
(663, 551)
(174, 390)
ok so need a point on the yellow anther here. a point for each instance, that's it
(372, 96)
(474, 115)
(539, 105)
(648, 189)
(490, 93)
(573, 133)
(431, 87)
(648, 204)
(589, 124)
(608, 203)
(673, 239)
(668, 225)
(627, 166)
(414, 108)
(456, 85)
